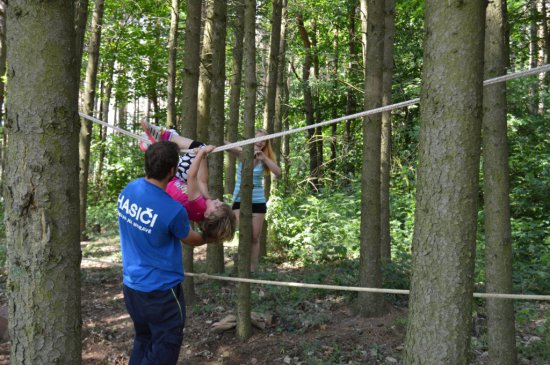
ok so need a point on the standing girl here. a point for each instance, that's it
(264, 164)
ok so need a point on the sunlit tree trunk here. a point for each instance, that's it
(104, 115)
(496, 186)
(89, 96)
(172, 56)
(371, 304)
(440, 305)
(215, 262)
(41, 187)
(191, 60)
(235, 95)
(385, 162)
(244, 326)
(81, 18)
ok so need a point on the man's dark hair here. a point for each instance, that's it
(160, 158)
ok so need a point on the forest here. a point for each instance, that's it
(409, 223)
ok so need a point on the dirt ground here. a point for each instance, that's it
(339, 338)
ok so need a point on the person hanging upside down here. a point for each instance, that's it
(190, 186)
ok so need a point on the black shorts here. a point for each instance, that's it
(260, 208)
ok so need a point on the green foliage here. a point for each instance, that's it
(316, 228)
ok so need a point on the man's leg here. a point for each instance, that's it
(142, 337)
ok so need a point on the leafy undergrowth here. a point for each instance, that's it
(309, 326)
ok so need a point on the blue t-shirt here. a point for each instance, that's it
(258, 194)
(151, 225)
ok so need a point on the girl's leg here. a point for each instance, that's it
(257, 223)
(163, 134)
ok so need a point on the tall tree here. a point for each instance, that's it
(498, 231)
(89, 97)
(235, 94)
(244, 326)
(81, 18)
(41, 188)
(172, 56)
(280, 102)
(308, 102)
(270, 94)
(215, 263)
(205, 74)
(444, 238)
(372, 304)
(385, 162)
(2, 85)
(191, 60)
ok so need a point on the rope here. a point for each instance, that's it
(341, 288)
(512, 76)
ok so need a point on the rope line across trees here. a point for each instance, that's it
(494, 80)
(336, 287)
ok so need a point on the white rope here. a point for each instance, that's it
(515, 75)
(105, 124)
(335, 287)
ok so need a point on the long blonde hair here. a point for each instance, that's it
(267, 150)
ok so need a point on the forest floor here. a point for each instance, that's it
(307, 327)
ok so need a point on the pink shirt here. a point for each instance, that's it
(177, 189)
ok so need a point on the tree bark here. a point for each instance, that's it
(205, 74)
(3, 7)
(280, 106)
(191, 60)
(372, 304)
(440, 304)
(215, 262)
(41, 187)
(89, 97)
(385, 162)
(308, 104)
(351, 102)
(244, 326)
(171, 121)
(81, 18)
(498, 231)
(235, 95)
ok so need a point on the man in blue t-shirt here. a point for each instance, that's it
(152, 224)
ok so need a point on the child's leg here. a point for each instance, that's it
(162, 134)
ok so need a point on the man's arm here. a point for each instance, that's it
(193, 239)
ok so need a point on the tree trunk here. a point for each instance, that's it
(172, 56)
(533, 104)
(104, 115)
(244, 326)
(334, 96)
(3, 7)
(235, 95)
(86, 125)
(41, 187)
(270, 94)
(205, 74)
(385, 162)
(371, 304)
(498, 232)
(81, 18)
(191, 60)
(215, 263)
(281, 76)
(440, 304)
(308, 104)
(351, 102)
